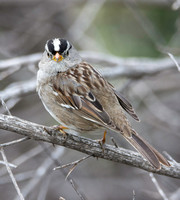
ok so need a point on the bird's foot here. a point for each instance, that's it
(53, 131)
(59, 128)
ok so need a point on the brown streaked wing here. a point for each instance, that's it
(78, 96)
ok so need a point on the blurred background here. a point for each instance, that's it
(125, 29)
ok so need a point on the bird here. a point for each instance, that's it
(78, 97)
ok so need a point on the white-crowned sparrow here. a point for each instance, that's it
(78, 97)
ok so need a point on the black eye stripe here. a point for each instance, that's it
(51, 47)
(63, 46)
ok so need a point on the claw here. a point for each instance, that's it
(61, 129)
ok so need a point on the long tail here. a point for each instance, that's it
(149, 152)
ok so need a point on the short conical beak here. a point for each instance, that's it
(57, 57)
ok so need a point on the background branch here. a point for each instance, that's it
(130, 67)
(85, 145)
(20, 196)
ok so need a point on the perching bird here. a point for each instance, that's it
(78, 97)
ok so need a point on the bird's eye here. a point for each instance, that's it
(67, 53)
(48, 54)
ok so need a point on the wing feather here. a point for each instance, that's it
(126, 105)
(81, 99)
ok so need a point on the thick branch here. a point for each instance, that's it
(85, 145)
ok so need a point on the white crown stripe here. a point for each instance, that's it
(56, 43)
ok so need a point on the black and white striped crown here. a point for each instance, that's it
(61, 46)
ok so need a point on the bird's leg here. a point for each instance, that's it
(104, 137)
(102, 140)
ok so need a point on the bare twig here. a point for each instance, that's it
(11, 175)
(154, 104)
(18, 89)
(174, 60)
(5, 106)
(23, 158)
(72, 163)
(131, 67)
(24, 176)
(11, 103)
(77, 191)
(134, 195)
(9, 72)
(44, 188)
(20, 61)
(62, 198)
(159, 189)
(69, 179)
(171, 158)
(85, 145)
(70, 171)
(14, 142)
(114, 142)
(40, 172)
(10, 164)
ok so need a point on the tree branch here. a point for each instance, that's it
(11, 175)
(84, 145)
(114, 66)
(130, 67)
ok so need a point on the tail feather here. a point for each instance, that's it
(160, 157)
(150, 153)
